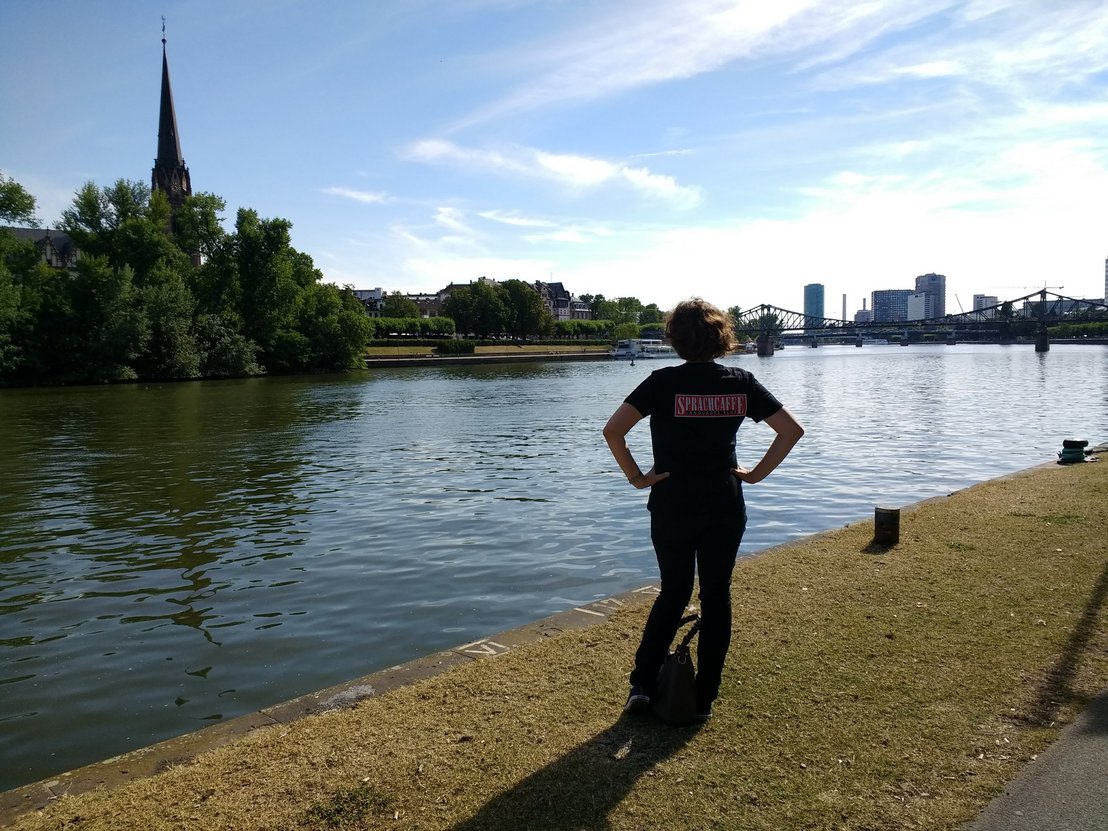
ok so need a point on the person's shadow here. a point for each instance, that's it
(578, 790)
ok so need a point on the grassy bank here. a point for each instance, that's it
(866, 689)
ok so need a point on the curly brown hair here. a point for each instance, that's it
(699, 331)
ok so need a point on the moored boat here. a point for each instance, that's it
(638, 348)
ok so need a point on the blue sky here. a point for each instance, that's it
(732, 150)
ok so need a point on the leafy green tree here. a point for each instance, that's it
(397, 304)
(17, 206)
(111, 330)
(460, 306)
(224, 351)
(602, 308)
(768, 323)
(489, 309)
(620, 310)
(478, 309)
(10, 316)
(625, 331)
(651, 314)
(439, 326)
(169, 309)
(526, 314)
(335, 326)
(630, 309)
(138, 305)
(199, 224)
(268, 279)
(125, 223)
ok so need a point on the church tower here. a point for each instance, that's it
(170, 174)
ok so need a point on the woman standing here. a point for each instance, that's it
(697, 513)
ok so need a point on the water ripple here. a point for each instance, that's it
(178, 554)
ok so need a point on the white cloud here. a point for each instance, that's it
(576, 171)
(572, 171)
(367, 197)
(442, 151)
(517, 220)
(663, 187)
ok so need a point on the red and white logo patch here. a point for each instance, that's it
(709, 406)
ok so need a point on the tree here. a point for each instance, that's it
(626, 331)
(489, 311)
(110, 328)
(620, 310)
(651, 314)
(768, 323)
(399, 305)
(125, 223)
(168, 307)
(477, 309)
(460, 307)
(525, 312)
(138, 305)
(17, 206)
(629, 309)
(335, 326)
(225, 353)
(199, 224)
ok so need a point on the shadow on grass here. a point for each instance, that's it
(581, 788)
(876, 547)
(1056, 688)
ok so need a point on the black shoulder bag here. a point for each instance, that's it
(674, 699)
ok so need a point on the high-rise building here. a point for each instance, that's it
(933, 285)
(813, 300)
(170, 175)
(890, 305)
(984, 301)
(918, 306)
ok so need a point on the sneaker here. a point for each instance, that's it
(637, 701)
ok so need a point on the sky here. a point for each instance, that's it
(735, 150)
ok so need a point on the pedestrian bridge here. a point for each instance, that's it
(1005, 320)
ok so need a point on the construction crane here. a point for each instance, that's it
(1043, 287)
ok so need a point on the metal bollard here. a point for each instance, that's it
(886, 526)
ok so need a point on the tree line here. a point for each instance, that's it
(162, 294)
(144, 301)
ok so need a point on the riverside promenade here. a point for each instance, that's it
(951, 681)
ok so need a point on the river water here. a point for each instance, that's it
(173, 555)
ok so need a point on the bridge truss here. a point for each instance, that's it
(1047, 309)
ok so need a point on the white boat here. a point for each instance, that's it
(639, 348)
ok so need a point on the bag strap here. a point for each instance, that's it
(685, 641)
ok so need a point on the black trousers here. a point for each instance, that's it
(687, 545)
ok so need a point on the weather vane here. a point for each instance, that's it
(163, 29)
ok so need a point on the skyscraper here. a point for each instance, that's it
(934, 286)
(890, 305)
(813, 300)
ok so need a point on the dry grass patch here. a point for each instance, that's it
(866, 689)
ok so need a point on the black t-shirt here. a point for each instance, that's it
(695, 410)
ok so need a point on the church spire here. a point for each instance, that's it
(170, 174)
